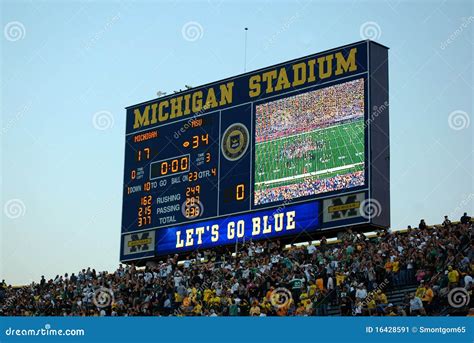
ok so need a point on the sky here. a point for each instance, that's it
(68, 70)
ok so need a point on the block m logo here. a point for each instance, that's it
(342, 207)
(139, 242)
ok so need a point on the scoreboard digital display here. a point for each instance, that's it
(289, 150)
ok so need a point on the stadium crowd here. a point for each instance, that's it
(265, 279)
(309, 111)
(308, 186)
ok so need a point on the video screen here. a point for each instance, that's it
(310, 143)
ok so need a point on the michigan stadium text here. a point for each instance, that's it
(278, 79)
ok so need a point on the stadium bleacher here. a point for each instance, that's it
(406, 272)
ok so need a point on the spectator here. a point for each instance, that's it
(427, 298)
(422, 225)
(446, 221)
(416, 305)
(465, 219)
(226, 284)
(453, 277)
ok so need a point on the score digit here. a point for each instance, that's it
(240, 192)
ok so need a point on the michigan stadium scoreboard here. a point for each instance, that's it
(288, 151)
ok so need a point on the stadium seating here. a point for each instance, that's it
(386, 273)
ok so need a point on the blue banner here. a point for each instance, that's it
(221, 330)
(290, 220)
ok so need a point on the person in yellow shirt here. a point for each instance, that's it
(255, 310)
(396, 266)
(215, 300)
(312, 289)
(266, 305)
(193, 294)
(371, 304)
(207, 295)
(420, 291)
(340, 277)
(197, 310)
(178, 298)
(381, 300)
(305, 301)
(186, 302)
(427, 298)
(453, 277)
(395, 271)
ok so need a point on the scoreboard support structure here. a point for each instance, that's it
(286, 152)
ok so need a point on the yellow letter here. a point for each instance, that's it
(197, 101)
(297, 69)
(163, 116)
(153, 113)
(311, 64)
(269, 76)
(321, 60)
(187, 110)
(282, 82)
(254, 85)
(176, 104)
(141, 119)
(344, 65)
(211, 100)
(226, 93)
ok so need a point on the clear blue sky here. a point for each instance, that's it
(68, 71)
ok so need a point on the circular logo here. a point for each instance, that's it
(235, 141)
(192, 208)
(103, 297)
(458, 297)
(280, 297)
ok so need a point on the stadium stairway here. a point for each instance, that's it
(394, 296)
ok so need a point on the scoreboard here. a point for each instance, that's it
(290, 150)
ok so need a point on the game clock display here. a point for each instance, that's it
(231, 160)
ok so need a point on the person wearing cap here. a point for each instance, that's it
(446, 221)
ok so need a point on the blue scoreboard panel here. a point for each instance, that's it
(286, 151)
